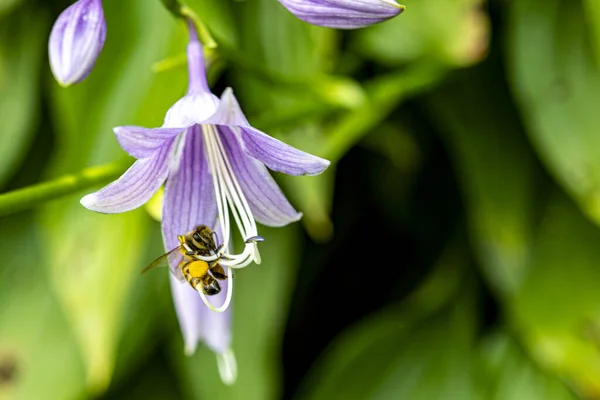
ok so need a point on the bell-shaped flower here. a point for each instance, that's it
(213, 163)
(343, 14)
(76, 40)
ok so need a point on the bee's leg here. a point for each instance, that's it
(218, 250)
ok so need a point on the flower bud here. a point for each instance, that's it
(343, 14)
(76, 41)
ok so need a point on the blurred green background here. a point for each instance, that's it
(452, 251)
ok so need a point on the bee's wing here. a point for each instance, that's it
(172, 260)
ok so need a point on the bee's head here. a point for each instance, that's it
(203, 238)
(197, 237)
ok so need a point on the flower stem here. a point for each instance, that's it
(173, 6)
(32, 196)
(181, 11)
(203, 33)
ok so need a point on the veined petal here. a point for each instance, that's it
(76, 40)
(279, 156)
(216, 329)
(275, 154)
(135, 187)
(267, 202)
(191, 313)
(191, 109)
(197, 322)
(189, 198)
(343, 14)
(189, 201)
(143, 142)
(228, 112)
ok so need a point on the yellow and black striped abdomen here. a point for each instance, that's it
(196, 273)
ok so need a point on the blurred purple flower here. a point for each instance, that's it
(76, 41)
(213, 163)
(343, 14)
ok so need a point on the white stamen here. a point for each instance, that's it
(229, 198)
(227, 301)
(227, 366)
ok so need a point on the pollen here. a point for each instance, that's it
(198, 269)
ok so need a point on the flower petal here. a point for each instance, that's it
(275, 154)
(267, 202)
(189, 198)
(279, 156)
(143, 142)
(135, 187)
(188, 202)
(76, 40)
(228, 112)
(197, 322)
(191, 109)
(191, 312)
(343, 14)
(216, 326)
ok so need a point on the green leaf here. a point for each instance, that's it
(313, 195)
(94, 259)
(260, 306)
(455, 33)
(497, 170)
(22, 44)
(592, 16)
(275, 38)
(144, 321)
(557, 308)
(407, 345)
(557, 82)
(36, 342)
(508, 374)
(6, 6)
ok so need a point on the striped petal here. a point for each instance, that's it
(135, 187)
(143, 142)
(76, 40)
(189, 201)
(279, 156)
(267, 202)
(275, 154)
(343, 14)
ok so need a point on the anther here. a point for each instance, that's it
(254, 239)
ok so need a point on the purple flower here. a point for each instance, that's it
(76, 41)
(213, 163)
(343, 14)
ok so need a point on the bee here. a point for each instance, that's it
(201, 275)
